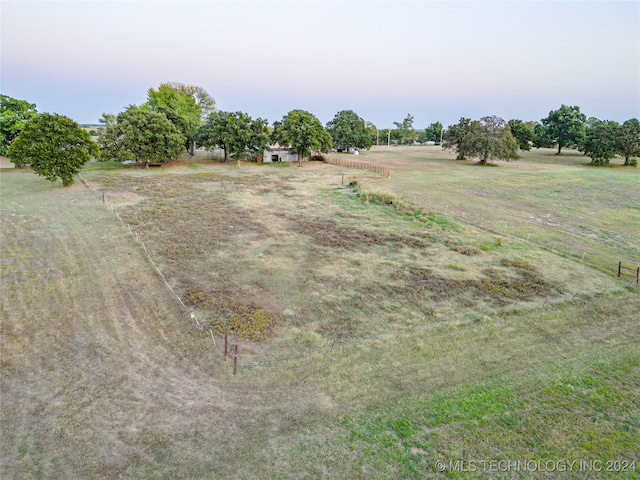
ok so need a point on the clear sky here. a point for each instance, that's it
(437, 60)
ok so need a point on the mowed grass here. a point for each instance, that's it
(559, 203)
(400, 339)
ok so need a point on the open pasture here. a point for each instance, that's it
(373, 343)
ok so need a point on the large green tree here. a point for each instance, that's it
(523, 133)
(542, 137)
(14, 114)
(184, 105)
(490, 138)
(454, 137)
(348, 131)
(54, 146)
(237, 134)
(600, 142)
(433, 133)
(566, 127)
(372, 131)
(404, 132)
(628, 141)
(141, 134)
(303, 132)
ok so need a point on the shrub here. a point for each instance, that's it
(469, 250)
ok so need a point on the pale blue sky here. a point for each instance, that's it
(382, 59)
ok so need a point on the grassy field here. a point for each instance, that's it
(476, 321)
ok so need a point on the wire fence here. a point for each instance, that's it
(102, 196)
(249, 361)
(360, 165)
(540, 233)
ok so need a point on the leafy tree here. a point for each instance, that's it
(523, 133)
(141, 134)
(433, 133)
(54, 146)
(303, 132)
(628, 141)
(183, 105)
(205, 101)
(212, 133)
(107, 118)
(600, 142)
(236, 133)
(404, 131)
(490, 138)
(372, 131)
(454, 137)
(13, 115)
(348, 130)
(384, 135)
(542, 137)
(565, 126)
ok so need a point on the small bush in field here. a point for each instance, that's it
(469, 250)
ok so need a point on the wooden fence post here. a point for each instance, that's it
(619, 269)
(235, 361)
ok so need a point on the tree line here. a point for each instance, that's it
(178, 118)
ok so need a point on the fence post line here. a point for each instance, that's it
(638, 275)
(619, 269)
(235, 360)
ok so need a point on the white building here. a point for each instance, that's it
(279, 154)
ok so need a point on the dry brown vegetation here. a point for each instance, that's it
(343, 307)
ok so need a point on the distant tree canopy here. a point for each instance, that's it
(565, 126)
(628, 141)
(600, 141)
(384, 135)
(490, 138)
(14, 114)
(141, 134)
(523, 133)
(237, 134)
(454, 136)
(349, 131)
(372, 131)
(303, 132)
(433, 133)
(542, 137)
(184, 105)
(54, 146)
(404, 132)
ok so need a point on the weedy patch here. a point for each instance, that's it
(247, 322)
(527, 284)
(465, 250)
(329, 233)
(391, 199)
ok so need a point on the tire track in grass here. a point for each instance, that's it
(96, 371)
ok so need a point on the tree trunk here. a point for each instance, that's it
(300, 159)
(192, 147)
(626, 161)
